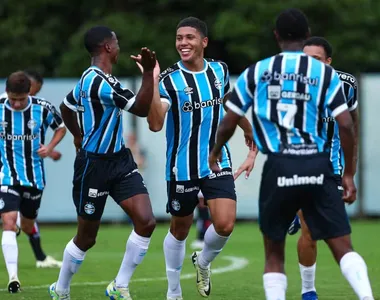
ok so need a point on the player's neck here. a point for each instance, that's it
(195, 66)
(103, 65)
(292, 46)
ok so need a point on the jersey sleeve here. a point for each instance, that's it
(242, 95)
(113, 93)
(164, 95)
(71, 100)
(352, 95)
(335, 99)
(53, 118)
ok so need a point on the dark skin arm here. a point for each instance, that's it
(70, 119)
(141, 107)
(243, 124)
(355, 119)
(225, 131)
(346, 133)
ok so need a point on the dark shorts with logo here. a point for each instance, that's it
(98, 175)
(290, 183)
(26, 200)
(183, 195)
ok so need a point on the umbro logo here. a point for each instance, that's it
(188, 90)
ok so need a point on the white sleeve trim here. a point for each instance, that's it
(69, 105)
(129, 104)
(353, 107)
(337, 111)
(235, 108)
(166, 101)
(62, 125)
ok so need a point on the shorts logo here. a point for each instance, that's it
(300, 180)
(180, 189)
(212, 176)
(4, 189)
(2, 203)
(26, 195)
(340, 188)
(31, 124)
(192, 189)
(89, 208)
(93, 193)
(175, 204)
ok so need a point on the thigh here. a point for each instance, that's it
(10, 199)
(324, 210)
(90, 187)
(30, 202)
(278, 204)
(126, 181)
(219, 185)
(182, 197)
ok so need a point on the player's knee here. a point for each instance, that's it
(86, 243)
(9, 221)
(224, 227)
(27, 228)
(145, 226)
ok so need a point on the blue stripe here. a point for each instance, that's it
(107, 135)
(18, 148)
(86, 102)
(81, 186)
(207, 112)
(37, 113)
(6, 180)
(311, 118)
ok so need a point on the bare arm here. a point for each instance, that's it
(144, 96)
(355, 119)
(347, 136)
(158, 109)
(57, 137)
(70, 119)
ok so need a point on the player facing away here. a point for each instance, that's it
(24, 120)
(289, 94)
(42, 260)
(191, 93)
(103, 166)
(320, 49)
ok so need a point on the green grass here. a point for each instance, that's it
(102, 263)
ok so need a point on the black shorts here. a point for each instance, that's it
(26, 200)
(290, 183)
(183, 195)
(98, 175)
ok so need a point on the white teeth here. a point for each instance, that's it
(185, 51)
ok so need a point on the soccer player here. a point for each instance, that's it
(191, 93)
(24, 120)
(103, 166)
(320, 49)
(289, 94)
(42, 260)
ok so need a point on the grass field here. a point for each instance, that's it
(244, 252)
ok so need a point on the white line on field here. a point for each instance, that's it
(236, 263)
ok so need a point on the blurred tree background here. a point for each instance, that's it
(48, 34)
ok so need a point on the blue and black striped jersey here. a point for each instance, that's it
(21, 133)
(350, 88)
(289, 94)
(196, 109)
(99, 99)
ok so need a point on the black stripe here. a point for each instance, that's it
(28, 146)
(215, 109)
(277, 65)
(301, 88)
(322, 100)
(96, 106)
(175, 114)
(251, 79)
(9, 145)
(111, 148)
(45, 113)
(104, 130)
(196, 118)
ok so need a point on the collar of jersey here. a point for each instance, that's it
(182, 67)
(293, 52)
(21, 110)
(96, 68)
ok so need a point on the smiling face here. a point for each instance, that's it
(190, 44)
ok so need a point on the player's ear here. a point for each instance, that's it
(107, 47)
(329, 60)
(205, 42)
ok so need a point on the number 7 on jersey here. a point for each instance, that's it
(290, 112)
